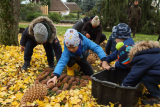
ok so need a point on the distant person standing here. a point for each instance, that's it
(134, 16)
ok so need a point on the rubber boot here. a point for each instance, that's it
(76, 67)
(70, 71)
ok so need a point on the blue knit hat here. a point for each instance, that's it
(121, 31)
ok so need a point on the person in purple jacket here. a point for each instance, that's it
(144, 60)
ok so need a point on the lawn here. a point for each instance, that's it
(139, 37)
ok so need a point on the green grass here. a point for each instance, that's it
(139, 37)
(23, 26)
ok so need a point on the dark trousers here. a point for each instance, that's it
(28, 52)
(133, 25)
(151, 83)
(83, 63)
(103, 37)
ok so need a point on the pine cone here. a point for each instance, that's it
(36, 91)
(91, 59)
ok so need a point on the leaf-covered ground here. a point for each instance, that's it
(15, 82)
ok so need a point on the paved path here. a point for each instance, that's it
(61, 24)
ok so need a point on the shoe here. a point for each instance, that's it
(25, 65)
(151, 101)
(70, 71)
(76, 67)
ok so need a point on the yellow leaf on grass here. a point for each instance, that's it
(41, 103)
(3, 89)
(14, 103)
(3, 94)
(74, 100)
(48, 105)
(8, 100)
(147, 105)
(112, 105)
(19, 96)
(26, 80)
(57, 105)
(66, 105)
(155, 105)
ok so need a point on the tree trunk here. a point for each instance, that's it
(9, 18)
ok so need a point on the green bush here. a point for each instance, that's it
(70, 16)
(31, 16)
(55, 17)
(27, 10)
(89, 14)
(149, 28)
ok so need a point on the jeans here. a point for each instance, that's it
(28, 52)
(83, 63)
(151, 83)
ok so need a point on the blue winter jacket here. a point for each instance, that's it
(113, 56)
(86, 45)
(111, 45)
(146, 62)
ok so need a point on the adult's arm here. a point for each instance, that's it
(139, 13)
(85, 28)
(62, 62)
(96, 48)
(24, 37)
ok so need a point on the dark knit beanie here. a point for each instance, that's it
(122, 31)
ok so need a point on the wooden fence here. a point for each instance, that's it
(44, 9)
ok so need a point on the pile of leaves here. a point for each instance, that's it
(14, 82)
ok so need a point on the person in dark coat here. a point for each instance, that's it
(93, 30)
(40, 31)
(111, 44)
(145, 61)
(79, 25)
(134, 16)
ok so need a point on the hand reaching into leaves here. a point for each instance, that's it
(52, 80)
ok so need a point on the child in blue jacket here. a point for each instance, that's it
(144, 58)
(76, 49)
(121, 33)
